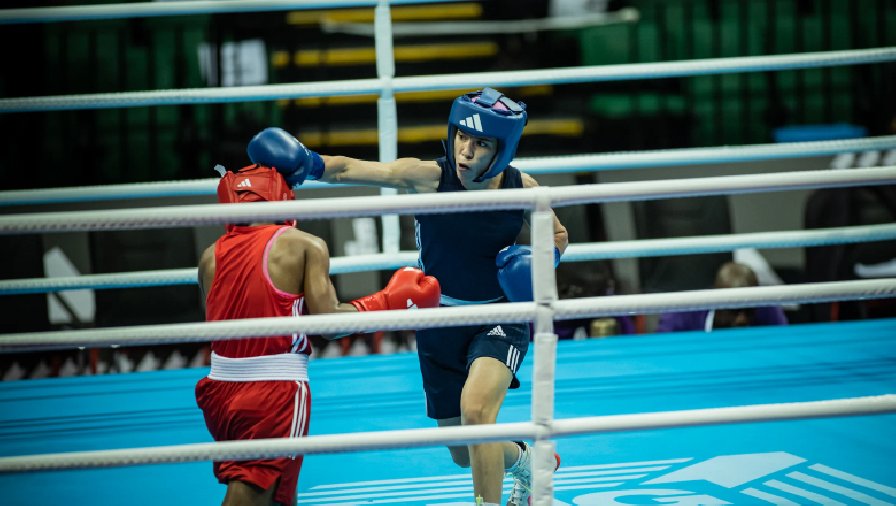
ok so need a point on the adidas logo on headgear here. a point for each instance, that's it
(245, 183)
(472, 122)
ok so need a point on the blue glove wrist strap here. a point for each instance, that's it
(317, 166)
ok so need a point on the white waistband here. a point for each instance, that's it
(287, 366)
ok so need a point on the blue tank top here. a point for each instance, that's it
(459, 249)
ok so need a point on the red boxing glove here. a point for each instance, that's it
(408, 288)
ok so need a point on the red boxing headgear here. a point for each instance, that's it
(254, 183)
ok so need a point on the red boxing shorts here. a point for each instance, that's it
(241, 410)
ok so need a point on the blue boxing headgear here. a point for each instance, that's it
(488, 113)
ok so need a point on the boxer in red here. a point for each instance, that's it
(258, 387)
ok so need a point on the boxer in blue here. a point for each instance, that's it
(466, 370)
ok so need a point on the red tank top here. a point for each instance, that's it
(242, 288)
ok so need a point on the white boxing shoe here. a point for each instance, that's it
(522, 477)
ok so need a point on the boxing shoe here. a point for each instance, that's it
(521, 472)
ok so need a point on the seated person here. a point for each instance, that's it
(577, 280)
(730, 275)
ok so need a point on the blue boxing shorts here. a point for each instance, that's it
(446, 355)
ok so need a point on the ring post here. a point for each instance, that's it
(545, 291)
(387, 113)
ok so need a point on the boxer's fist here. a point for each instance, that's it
(515, 272)
(408, 288)
(277, 148)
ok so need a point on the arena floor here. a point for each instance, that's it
(850, 460)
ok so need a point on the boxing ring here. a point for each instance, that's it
(795, 415)
(609, 376)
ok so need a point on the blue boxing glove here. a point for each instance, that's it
(277, 148)
(515, 272)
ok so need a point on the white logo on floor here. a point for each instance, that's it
(778, 478)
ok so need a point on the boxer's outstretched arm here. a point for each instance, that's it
(410, 174)
(277, 148)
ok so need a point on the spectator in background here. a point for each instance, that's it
(577, 280)
(730, 275)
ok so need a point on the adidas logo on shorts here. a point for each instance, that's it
(497, 331)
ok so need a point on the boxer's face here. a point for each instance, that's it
(472, 156)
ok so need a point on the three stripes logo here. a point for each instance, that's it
(513, 359)
(245, 183)
(472, 122)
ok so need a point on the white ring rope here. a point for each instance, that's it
(136, 279)
(699, 156)
(210, 214)
(757, 296)
(178, 8)
(516, 312)
(99, 193)
(438, 436)
(538, 165)
(575, 253)
(594, 73)
(730, 242)
(188, 275)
